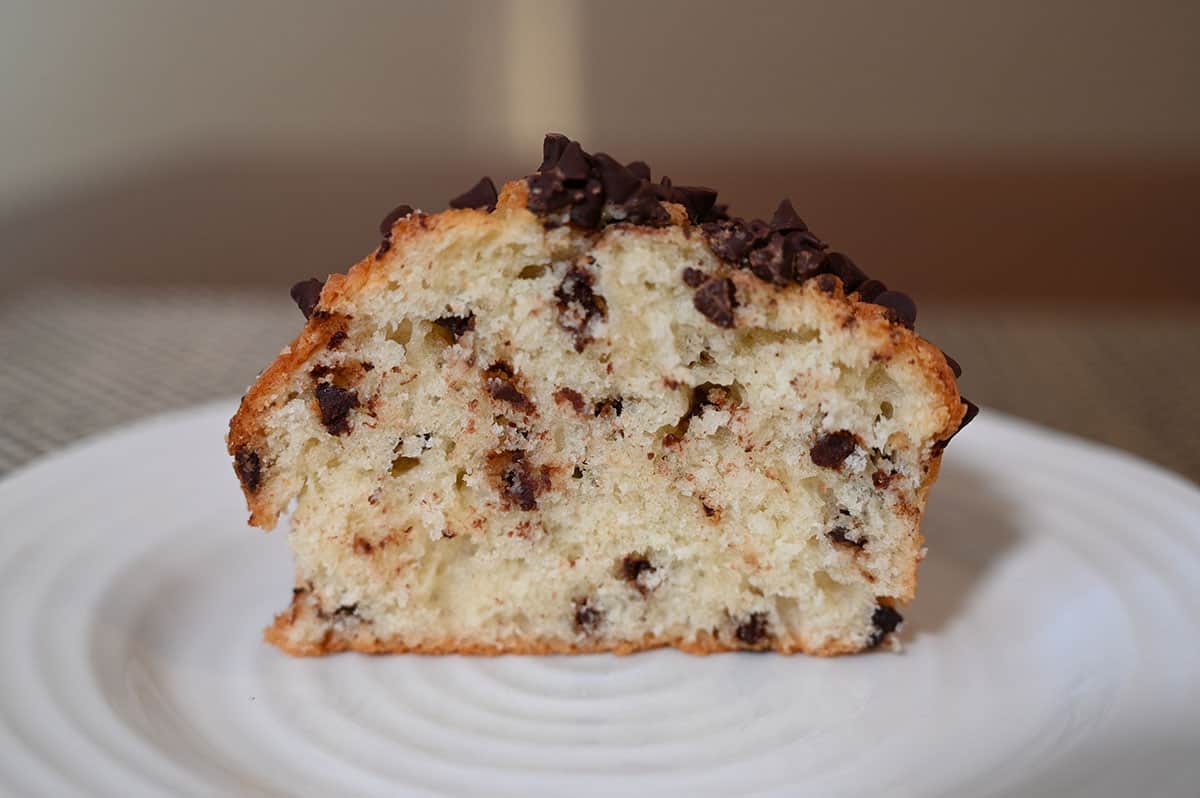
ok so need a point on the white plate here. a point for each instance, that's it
(1054, 650)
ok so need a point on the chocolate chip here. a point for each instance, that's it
(579, 305)
(481, 195)
(693, 277)
(612, 405)
(969, 416)
(696, 200)
(900, 307)
(346, 611)
(587, 204)
(634, 565)
(870, 289)
(457, 326)
(547, 192)
(552, 149)
(806, 260)
(881, 479)
(771, 263)
(397, 213)
(832, 448)
(619, 183)
(838, 264)
(335, 404)
(336, 340)
(839, 534)
(729, 240)
(573, 163)
(306, 294)
(572, 397)
(664, 189)
(759, 231)
(587, 618)
(516, 480)
(885, 620)
(501, 383)
(957, 369)
(644, 208)
(367, 365)
(785, 219)
(639, 169)
(753, 630)
(248, 466)
(716, 299)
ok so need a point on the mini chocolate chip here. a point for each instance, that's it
(587, 618)
(900, 307)
(871, 289)
(838, 264)
(957, 369)
(457, 326)
(696, 200)
(881, 479)
(336, 340)
(640, 169)
(579, 305)
(839, 534)
(573, 163)
(611, 405)
(728, 240)
(785, 218)
(885, 620)
(501, 383)
(248, 466)
(367, 365)
(644, 208)
(306, 294)
(753, 630)
(572, 397)
(552, 149)
(971, 411)
(806, 260)
(716, 299)
(693, 277)
(320, 371)
(634, 565)
(619, 183)
(481, 195)
(516, 480)
(335, 404)
(546, 192)
(346, 610)
(397, 213)
(771, 263)
(832, 448)
(759, 231)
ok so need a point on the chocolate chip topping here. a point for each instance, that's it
(900, 307)
(552, 149)
(248, 466)
(969, 416)
(840, 534)
(457, 326)
(640, 169)
(885, 620)
(389, 221)
(957, 369)
(716, 299)
(618, 181)
(501, 382)
(335, 404)
(785, 219)
(571, 397)
(842, 267)
(753, 630)
(832, 449)
(579, 305)
(481, 195)
(306, 294)
(587, 617)
(870, 289)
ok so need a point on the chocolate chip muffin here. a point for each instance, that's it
(594, 412)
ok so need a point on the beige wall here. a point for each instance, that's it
(254, 118)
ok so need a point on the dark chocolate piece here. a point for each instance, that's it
(633, 566)
(870, 289)
(335, 404)
(716, 299)
(336, 340)
(618, 181)
(481, 195)
(785, 219)
(552, 149)
(587, 617)
(832, 449)
(753, 630)
(306, 294)
(578, 305)
(248, 466)
(839, 534)
(838, 264)
(900, 307)
(501, 383)
(397, 213)
(885, 620)
(694, 278)
(457, 326)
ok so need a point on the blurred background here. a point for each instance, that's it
(1029, 170)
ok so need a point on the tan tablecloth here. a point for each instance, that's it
(75, 361)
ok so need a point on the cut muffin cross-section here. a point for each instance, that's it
(596, 413)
